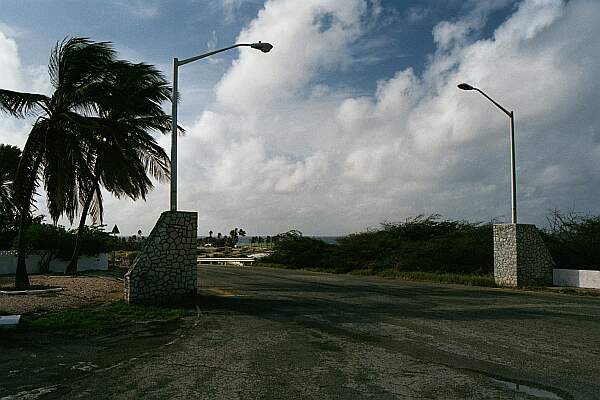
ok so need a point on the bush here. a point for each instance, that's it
(426, 244)
(55, 241)
(294, 250)
(573, 240)
(432, 245)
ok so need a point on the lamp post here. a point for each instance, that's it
(264, 47)
(513, 174)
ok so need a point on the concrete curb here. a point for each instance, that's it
(34, 291)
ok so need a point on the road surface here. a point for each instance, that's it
(276, 334)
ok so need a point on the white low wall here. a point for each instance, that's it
(8, 263)
(577, 278)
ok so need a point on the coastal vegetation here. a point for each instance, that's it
(434, 249)
(419, 244)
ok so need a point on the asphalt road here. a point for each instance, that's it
(277, 334)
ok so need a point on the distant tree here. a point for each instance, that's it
(234, 235)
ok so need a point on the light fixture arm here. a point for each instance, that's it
(201, 56)
(509, 113)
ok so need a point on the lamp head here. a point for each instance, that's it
(264, 47)
(465, 86)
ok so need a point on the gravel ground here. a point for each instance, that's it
(85, 289)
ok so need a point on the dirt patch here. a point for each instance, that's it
(79, 290)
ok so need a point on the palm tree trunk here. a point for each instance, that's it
(21, 276)
(71, 268)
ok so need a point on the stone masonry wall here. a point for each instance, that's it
(520, 256)
(166, 269)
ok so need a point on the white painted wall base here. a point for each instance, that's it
(8, 263)
(577, 278)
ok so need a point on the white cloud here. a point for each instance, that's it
(279, 149)
(276, 143)
(16, 76)
(307, 36)
(10, 64)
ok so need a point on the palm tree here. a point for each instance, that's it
(122, 151)
(57, 146)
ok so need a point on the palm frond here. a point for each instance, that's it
(96, 206)
(26, 177)
(21, 104)
(77, 61)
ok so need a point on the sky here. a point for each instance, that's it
(354, 117)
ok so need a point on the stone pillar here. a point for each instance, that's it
(521, 257)
(166, 270)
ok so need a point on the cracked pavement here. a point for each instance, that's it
(260, 333)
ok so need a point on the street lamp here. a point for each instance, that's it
(513, 175)
(264, 47)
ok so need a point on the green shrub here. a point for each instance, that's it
(56, 241)
(426, 244)
(434, 245)
(295, 250)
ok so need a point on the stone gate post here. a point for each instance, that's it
(166, 270)
(520, 256)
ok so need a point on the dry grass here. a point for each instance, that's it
(78, 291)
